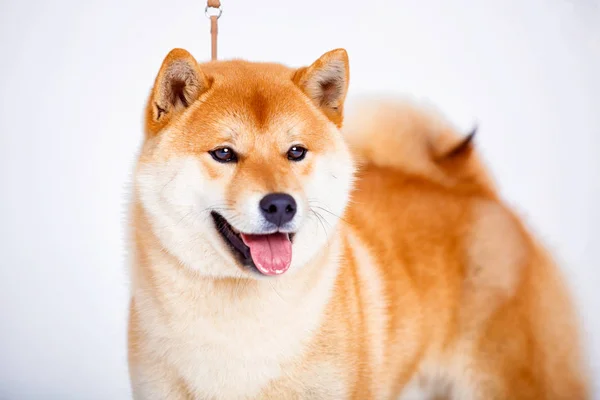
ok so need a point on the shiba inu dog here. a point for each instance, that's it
(280, 252)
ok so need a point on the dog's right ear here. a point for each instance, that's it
(178, 84)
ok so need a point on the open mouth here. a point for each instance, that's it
(269, 254)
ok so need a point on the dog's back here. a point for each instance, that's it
(474, 305)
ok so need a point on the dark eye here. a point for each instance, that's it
(224, 155)
(296, 153)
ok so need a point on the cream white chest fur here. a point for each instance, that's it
(228, 340)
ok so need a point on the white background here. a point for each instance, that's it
(74, 76)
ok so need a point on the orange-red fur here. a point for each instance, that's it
(437, 286)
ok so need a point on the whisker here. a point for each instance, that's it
(169, 182)
(328, 211)
(319, 218)
(184, 217)
(277, 292)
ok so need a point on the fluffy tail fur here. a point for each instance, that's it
(416, 140)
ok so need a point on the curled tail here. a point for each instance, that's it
(401, 135)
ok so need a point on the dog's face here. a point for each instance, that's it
(244, 171)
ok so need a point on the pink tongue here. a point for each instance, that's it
(272, 254)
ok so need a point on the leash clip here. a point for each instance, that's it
(213, 12)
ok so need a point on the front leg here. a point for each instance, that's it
(153, 381)
(151, 378)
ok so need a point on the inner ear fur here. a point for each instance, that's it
(179, 83)
(325, 82)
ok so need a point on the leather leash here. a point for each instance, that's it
(213, 11)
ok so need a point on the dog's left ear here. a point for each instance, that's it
(325, 82)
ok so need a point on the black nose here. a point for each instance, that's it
(278, 208)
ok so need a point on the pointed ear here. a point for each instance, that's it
(178, 84)
(325, 82)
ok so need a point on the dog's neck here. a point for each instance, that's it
(157, 270)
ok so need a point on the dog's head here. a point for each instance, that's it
(244, 170)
